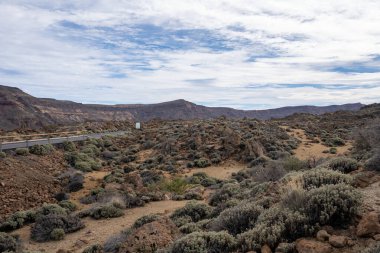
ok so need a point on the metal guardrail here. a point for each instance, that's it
(55, 140)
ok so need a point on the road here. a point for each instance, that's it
(56, 140)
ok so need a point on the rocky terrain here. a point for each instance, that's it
(20, 110)
(305, 183)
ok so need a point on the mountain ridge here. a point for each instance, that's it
(21, 110)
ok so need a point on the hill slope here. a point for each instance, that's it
(19, 110)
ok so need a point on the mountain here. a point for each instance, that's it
(21, 110)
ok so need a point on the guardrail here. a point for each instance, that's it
(55, 140)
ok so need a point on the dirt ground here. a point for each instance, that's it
(221, 171)
(92, 180)
(307, 149)
(29, 181)
(97, 231)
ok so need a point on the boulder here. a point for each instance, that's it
(322, 235)
(369, 225)
(338, 241)
(312, 246)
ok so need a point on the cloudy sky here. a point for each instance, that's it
(240, 53)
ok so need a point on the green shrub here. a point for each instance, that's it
(69, 146)
(82, 161)
(3, 154)
(292, 163)
(238, 219)
(22, 151)
(202, 163)
(192, 227)
(97, 248)
(112, 210)
(202, 179)
(177, 185)
(41, 149)
(333, 150)
(273, 226)
(18, 220)
(336, 141)
(8, 243)
(343, 164)
(204, 242)
(318, 177)
(42, 230)
(47, 209)
(145, 220)
(67, 204)
(193, 210)
(227, 192)
(273, 171)
(332, 204)
(57, 234)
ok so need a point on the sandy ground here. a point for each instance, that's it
(307, 149)
(97, 231)
(221, 171)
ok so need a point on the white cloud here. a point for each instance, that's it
(294, 42)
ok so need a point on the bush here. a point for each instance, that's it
(3, 154)
(57, 234)
(83, 161)
(336, 141)
(176, 185)
(193, 211)
(333, 150)
(22, 151)
(227, 192)
(8, 243)
(42, 230)
(238, 219)
(97, 248)
(202, 163)
(273, 226)
(47, 209)
(204, 242)
(343, 164)
(373, 163)
(41, 149)
(315, 178)
(292, 163)
(145, 220)
(114, 242)
(202, 179)
(273, 171)
(18, 220)
(112, 210)
(67, 204)
(75, 182)
(332, 204)
(69, 146)
(192, 227)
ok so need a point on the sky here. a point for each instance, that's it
(239, 53)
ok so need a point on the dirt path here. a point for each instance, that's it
(222, 171)
(97, 231)
(307, 149)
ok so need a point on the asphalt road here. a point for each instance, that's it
(56, 140)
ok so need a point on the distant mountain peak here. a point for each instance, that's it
(19, 110)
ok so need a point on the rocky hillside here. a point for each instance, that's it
(21, 110)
